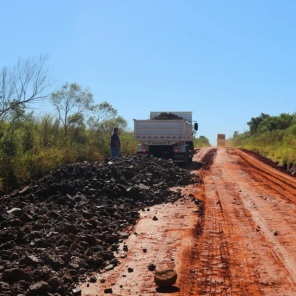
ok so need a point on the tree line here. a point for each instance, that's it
(32, 145)
(79, 130)
(272, 136)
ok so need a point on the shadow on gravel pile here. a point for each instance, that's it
(69, 223)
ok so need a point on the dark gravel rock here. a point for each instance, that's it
(39, 288)
(151, 266)
(167, 116)
(15, 275)
(69, 223)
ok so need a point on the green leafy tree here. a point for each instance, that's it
(255, 121)
(202, 141)
(101, 134)
(108, 125)
(275, 123)
(49, 131)
(101, 113)
(71, 101)
(235, 134)
(104, 111)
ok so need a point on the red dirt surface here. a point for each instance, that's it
(235, 234)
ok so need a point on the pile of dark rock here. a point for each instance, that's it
(69, 223)
(167, 116)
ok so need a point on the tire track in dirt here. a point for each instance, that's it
(268, 266)
(205, 270)
(218, 264)
(237, 252)
(277, 199)
(278, 249)
(284, 183)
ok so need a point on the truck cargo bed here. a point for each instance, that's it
(162, 130)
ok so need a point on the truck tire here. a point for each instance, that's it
(186, 156)
(191, 149)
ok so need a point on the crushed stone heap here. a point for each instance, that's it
(167, 116)
(69, 223)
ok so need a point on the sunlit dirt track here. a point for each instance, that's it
(234, 234)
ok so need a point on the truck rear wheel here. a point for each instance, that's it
(186, 156)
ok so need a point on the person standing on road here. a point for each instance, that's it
(115, 143)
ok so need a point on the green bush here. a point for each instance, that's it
(202, 141)
(275, 138)
(128, 144)
(30, 148)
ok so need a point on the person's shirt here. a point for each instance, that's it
(114, 139)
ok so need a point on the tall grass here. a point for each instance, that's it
(200, 142)
(31, 148)
(277, 145)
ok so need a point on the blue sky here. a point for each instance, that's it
(226, 61)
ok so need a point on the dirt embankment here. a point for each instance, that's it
(288, 169)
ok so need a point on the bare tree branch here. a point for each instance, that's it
(27, 82)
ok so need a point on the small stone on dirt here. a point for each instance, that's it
(109, 267)
(108, 291)
(151, 267)
(92, 279)
(76, 292)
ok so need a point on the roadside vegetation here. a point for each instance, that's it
(273, 137)
(30, 147)
(76, 130)
(201, 141)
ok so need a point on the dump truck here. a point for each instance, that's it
(221, 140)
(166, 135)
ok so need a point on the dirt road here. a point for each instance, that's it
(234, 234)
